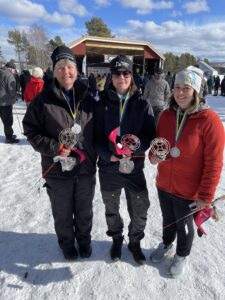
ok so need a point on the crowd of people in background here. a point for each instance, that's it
(156, 87)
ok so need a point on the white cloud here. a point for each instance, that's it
(73, 7)
(27, 12)
(146, 6)
(56, 18)
(176, 13)
(179, 37)
(103, 3)
(194, 7)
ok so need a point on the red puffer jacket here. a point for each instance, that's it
(196, 172)
(33, 87)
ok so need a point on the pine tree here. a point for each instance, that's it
(96, 27)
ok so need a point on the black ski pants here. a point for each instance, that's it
(174, 208)
(6, 114)
(71, 201)
(137, 203)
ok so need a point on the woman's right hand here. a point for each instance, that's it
(114, 158)
(155, 159)
(64, 151)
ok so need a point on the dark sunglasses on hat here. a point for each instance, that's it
(119, 73)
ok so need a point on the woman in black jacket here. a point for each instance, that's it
(122, 115)
(68, 168)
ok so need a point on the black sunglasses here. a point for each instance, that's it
(124, 73)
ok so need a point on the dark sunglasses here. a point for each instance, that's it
(119, 73)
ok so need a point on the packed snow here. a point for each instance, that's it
(33, 267)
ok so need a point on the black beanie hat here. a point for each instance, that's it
(121, 62)
(62, 53)
(10, 65)
(158, 71)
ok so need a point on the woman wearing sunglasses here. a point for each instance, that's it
(124, 130)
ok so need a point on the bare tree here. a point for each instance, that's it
(2, 59)
(38, 52)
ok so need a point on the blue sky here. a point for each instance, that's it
(179, 26)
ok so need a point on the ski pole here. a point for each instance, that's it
(194, 210)
(21, 131)
(39, 179)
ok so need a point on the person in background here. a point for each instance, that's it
(122, 111)
(34, 85)
(7, 99)
(223, 86)
(65, 109)
(210, 84)
(191, 171)
(92, 85)
(48, 77)
(216, 85)
(24, 78)
(100, 80)
(156, 92)
(169, 79)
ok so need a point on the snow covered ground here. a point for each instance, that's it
(32, 266)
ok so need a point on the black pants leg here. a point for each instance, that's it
(174, 208)
(6, 114)
(61, 194)
(83, 212)
(114, 221)
(138, 204)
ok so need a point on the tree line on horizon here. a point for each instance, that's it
(33, 47)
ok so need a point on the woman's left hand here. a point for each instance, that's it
(201, 204)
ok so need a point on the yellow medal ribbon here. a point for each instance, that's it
(123, 103)
(75, 111)
(179, 125)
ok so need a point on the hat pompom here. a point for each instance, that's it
(37, 72)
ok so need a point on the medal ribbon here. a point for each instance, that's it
(67, 98)
(123, 104)
(179, 125)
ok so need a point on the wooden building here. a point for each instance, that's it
(94, 54)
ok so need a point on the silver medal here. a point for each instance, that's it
(76, 128)
(175, 152)
(126, 166)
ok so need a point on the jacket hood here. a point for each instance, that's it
(202, 106)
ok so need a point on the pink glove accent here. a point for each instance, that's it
(119, 150)
(202, 216)
(80, 153)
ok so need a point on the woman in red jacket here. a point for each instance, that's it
(34, 85)
(191, 171)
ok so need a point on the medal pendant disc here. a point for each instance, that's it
(175, 152)
(76, 128)
(126, 166)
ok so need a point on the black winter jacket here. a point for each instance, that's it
(7, 88)
(48, 115)
(137, 120)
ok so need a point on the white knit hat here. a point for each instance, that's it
(37, 72)
(191, 76)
